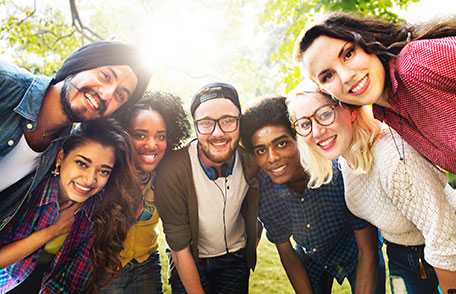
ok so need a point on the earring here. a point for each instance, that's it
(56, 170)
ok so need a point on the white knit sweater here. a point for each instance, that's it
(409, 201)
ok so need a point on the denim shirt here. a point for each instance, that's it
(21, 97)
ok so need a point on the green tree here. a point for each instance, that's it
(292, 15)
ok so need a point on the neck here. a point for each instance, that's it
(209, 163)
(383, 99)
(299, 183)
(52, 117)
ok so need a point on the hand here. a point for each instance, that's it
(66, 218)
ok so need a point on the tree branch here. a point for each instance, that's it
(86, 32)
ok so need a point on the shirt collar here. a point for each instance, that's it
(30, 104)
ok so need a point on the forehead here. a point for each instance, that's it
(305, 105)
(148, 118)
(322, 52)
(267, 134)
(99, 154)
(216, 108)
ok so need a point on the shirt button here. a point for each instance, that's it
(308, 226)
(326, 267)
(314, 250)
(29, 126)
(10, 142)
(302, 199)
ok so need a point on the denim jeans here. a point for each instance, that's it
(138, 278)
(322, 281)
(404, 268)
(221, 274)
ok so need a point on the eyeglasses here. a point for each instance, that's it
(227, 124)
(324, 116)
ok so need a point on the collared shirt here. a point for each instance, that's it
(72, 266)
(317, 219)
(21, 97)
(423, 95)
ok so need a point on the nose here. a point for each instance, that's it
(317, 129)
(346, 75)
(273, 156)
(91, 177)
(217, 131)
(151, 144)
(107, 92)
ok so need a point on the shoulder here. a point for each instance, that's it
(426, 55)
(174, 160)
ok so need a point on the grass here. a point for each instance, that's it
(269, 275)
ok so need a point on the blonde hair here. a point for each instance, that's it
(359, 156)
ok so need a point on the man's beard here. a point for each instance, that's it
(208, 154)
(65, 94)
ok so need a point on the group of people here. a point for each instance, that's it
(90, 161)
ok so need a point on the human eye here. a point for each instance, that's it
(104, 75)
(326, 76)
(348, 53)
(81, 163)
(105, 172)
(326, 114)
(121, 96)
(259, 151)
(139, 136)
(282, 143)
(304, 124)
(162, 137)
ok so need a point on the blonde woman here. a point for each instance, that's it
(386, 182)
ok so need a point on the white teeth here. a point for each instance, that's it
(83, 188)
(326, 142)
(279, 169)
(149, 158)
(219, 143)
(360, 85)
(92, 101)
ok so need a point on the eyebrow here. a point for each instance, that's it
(273, 141)
(90, 161)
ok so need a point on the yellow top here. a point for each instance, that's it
(53, 246)
(141, 239)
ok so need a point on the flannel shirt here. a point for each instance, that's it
(72, 266)
(318, 220)
(423, 99)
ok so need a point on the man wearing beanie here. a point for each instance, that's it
(37, 111)
(207, 197)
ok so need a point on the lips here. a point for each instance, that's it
(149, 158)
(278, 171)
(82, 189)
(360, 87)
(93, 101)
(327, 143)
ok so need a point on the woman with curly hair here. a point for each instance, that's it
(76, 218)
(407, 72)
(387, 183)
(156, 124)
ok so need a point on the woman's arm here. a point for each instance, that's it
(22, 248)
(366, 270)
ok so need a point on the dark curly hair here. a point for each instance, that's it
(114, 213)
(170, 108)
(269, 112)
(373, 35)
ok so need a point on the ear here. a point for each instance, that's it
(354, 114)
(59, 158)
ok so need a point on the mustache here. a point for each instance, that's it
(102, 104)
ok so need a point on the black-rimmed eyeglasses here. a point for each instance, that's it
(323, 115)
(227, 124)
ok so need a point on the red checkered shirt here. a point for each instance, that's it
(423, 99)
(72, 267)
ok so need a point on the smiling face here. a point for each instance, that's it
(218, 146)
(345, 71)
(97, 92)
(84, 171)
(329, 141)
(148, 131)
(277, 154)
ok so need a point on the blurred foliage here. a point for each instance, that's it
(452, 180)
(292, 15)
(36, 40)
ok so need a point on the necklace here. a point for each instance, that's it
(401, 156)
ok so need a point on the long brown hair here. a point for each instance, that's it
(373, 35)
(115, 213)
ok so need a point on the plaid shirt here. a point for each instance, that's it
(423, 98)
(318, 220)
(72, 266)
